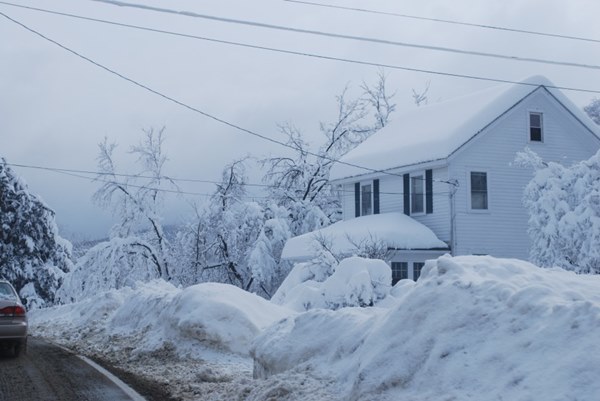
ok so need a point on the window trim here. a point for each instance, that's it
(529, 126)
(470, 208)
(412, 193)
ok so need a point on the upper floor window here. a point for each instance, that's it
(366, 200)
(417, 194)
(479, 190)
(535, 127)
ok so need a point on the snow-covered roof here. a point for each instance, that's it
(435, 131)
(396, 230)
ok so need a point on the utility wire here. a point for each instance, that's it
(445, 21)
(78, 173)
(350, 37)
(96, 179)
(196, 110)
(296, 53)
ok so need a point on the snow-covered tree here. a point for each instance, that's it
(300, 181)
(137, 199)
(593, 110)
(32, 254)
(137, 248)
(564, 213)
(234, 227)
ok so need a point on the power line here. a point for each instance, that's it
(446, 21)
(196, 110)
(77, 173)
(96, 179)
(349, 37)
(297, 53)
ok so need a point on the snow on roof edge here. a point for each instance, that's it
(396, 229)
(505, 96)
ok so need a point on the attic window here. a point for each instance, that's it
(535, 127)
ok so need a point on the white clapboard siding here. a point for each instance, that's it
(391, 199)
(502, 230)
(439, 220)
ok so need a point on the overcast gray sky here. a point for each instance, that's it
(55, 107)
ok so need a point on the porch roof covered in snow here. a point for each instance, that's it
(394, 230)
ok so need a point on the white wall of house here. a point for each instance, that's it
(439, 220)
(502, 229)
(391, 197)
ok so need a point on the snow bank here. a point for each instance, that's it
(396, 230)
(471, 328)
(354, 282)
(156, 315)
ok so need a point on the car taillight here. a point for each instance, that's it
(19, 311)
(12, 311)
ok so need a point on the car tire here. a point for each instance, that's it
(18, 349)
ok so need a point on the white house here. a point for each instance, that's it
(448, 168)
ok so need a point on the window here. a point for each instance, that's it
(399, 271)
(366, 204)
(417, 199)
(535, 127)
(417, 266)
(479, 192)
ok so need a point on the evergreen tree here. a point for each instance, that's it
(33, 257)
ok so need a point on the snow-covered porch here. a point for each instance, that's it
(407, 241)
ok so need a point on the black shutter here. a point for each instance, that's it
(407, 194)
(428, 191)
(375, 196)
(357, 199)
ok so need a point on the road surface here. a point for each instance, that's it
(49, 373)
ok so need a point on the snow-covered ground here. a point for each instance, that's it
(471, 328)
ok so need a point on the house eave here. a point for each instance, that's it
(446, 249)
(398, 170)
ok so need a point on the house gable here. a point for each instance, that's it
(501, 228)
(433, 133)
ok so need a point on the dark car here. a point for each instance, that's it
(13, 320)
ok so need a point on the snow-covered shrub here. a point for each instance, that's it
(32, 254)
(564, 213)
(355, 281)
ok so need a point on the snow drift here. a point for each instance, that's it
(471, 328)
(156, 315)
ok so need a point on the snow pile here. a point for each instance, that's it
(354, 282)
(395, 230)
(471, 328)
(156, 315)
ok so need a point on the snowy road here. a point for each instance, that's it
(48, 373)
